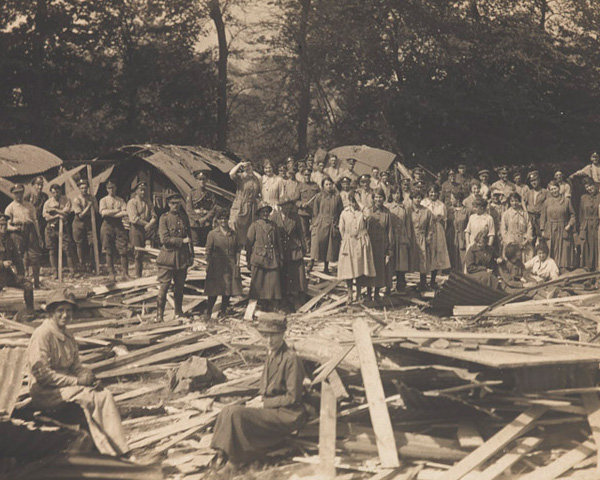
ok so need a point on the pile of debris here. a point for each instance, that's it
(395, 392)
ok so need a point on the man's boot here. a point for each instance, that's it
(111, 268)
(139, 265)
(125, 267)
(161, 301)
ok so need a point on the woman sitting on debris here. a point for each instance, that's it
(512, 269)
(480, 261)
(222, 272)
(542, 268)
(57, 377)
(243, 433)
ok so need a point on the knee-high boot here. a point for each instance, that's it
(161, 301)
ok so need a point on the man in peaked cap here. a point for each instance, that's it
(505, 186)
(10, 265)
(243, 433)
(534, 201)
(484, 186)
(201, 207)
(176, 255)
(114, 237)
(24, 231)
(143, 221)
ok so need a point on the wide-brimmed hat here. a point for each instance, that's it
(272, 323)
(262, 206)
(60, 296)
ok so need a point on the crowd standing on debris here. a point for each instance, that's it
(377, 227)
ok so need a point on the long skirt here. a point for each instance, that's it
(439, 250)
(100, 411)
(562, 249)
(356, 258)
(293, 276)
(589, 244)
(265, 284)
(245, 434)
(401, 257)
(381, 278)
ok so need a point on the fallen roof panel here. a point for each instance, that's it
(12, 370)
(26, 160)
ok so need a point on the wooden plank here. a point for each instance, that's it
(496, 443)
(327, 431)
(138, 392)
(380, 417)
(169, 430)
(562, 464)
(249, 314)
(60, 249)
(335, 382)
(138, 282)
(94, 230)
(468, 435)
(331, 364)
(591, 404)
(313, 301)
(523, 447)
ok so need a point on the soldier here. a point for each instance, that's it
(114, 236)
(308, 191)
(200, 207)
(84, 206)
(504, 184)
(143, 222)
(25, 232)
(37, 198)
(11, 264)
(57, 208)
(175, 256)
(484, 183)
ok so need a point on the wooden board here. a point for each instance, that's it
(591, 404)
(313, 301)
(327, 431)
(249, 314)
(496, 443)
(562, 464)
(524, 446)
(380, 417)
(468, 435)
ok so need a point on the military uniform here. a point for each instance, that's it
(308, 192)
(201, 207)
(52, 233)
(9, 276)
(173, 259)
(83, 235)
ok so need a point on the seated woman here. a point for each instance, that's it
(57, 377)
(512, 269)
(243, 433)
(541, 268)
(480, 261)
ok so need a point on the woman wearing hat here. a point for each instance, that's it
(84, 206)
(293, 275)
(588, 225)
(325, 236)
(223, 269)
(355, 262)
(247, 194)
(265, 257)
(244, 433)
(557, 224)
(57, 377)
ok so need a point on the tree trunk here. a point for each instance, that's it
(217, 17)
(304, 79)
(37, 105)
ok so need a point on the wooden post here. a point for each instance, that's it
(94, 232)
(380, 416)
(60, 249)
(327, 430)
(592, 407)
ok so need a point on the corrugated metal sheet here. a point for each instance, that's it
(459, 289)
(13, 361)
(26, 160)
(367, 157)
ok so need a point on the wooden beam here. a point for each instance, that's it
(592, 408)
(523, 447)
(325, 369)
(327, 431)
(250, 309)
(468, 435)
(313, 301)
(562, 464)
(496, 443)
(380, 417)
(94, 230)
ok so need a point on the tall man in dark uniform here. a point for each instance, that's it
(201, 208)
(143, 221)
(10, 264)
(25, 232)
(175, 256)
(114, 236)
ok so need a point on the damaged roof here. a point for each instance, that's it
(26, 160)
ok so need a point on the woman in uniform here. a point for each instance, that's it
(402, 237)
(588, 225)
(422, 221)
(379, 226)
(247, 195)
(557, 222)
(439, 250)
